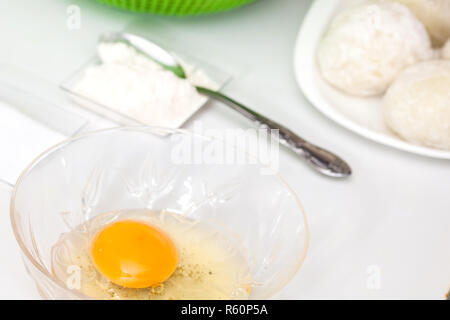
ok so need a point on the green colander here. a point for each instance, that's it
(177, 7)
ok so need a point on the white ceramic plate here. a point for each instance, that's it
(360, 115)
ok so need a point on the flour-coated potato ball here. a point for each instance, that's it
(368, 45)
(417, 105)
(445, 53)
(435, 15)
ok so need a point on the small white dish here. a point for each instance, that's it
(360, 115)
(196, 68)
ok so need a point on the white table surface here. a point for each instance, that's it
(383, 233)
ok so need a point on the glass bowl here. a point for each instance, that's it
(123, 168)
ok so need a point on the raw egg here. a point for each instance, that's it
(133, 254)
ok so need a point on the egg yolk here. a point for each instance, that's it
(133, 254)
